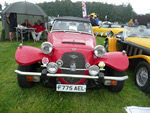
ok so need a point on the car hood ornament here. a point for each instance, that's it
(73, 56)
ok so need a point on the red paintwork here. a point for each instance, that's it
(66, 42)
(116, 60)
(88, 54)
(27, 55)
(71, 42)
(60, 39)
(58, 53)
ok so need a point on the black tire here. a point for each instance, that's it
(106, 45)
(120, 84)
(22, 82)
(142, 76)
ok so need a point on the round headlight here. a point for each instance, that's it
(99, 51)
(94, 70)
(52, 67)
(46, 47)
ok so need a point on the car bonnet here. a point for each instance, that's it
(69, 40)
(145, 42)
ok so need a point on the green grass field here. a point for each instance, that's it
(38, 99)
(0, 27)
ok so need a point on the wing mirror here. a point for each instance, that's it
(120, 37)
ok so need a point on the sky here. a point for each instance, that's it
(139, 6)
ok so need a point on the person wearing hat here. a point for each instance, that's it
(93, 21)
(97, 20)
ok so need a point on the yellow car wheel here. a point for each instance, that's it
(142, 76)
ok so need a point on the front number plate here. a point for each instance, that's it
(70, 88)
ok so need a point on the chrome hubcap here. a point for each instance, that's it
(142, 76)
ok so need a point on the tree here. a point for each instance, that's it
(115, 13)
(0, 7)
(6, 4)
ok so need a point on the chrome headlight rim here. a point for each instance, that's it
(52, 67)
(46, 47)
(101, 49)
(93, 70)
(59, 63)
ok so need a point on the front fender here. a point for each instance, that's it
(147, 58)
(27, 55)
(116, 60)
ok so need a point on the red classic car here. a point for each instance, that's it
(70, 60)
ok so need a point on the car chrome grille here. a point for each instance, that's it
(73, 60)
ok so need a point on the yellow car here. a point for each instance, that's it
(105, 28)
(135, 41)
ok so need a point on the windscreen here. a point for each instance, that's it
(72, 26)
(140, 31)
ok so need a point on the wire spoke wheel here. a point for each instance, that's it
(142, 76)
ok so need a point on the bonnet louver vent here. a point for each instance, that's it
(74, 43)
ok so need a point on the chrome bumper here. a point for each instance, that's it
(71, 75)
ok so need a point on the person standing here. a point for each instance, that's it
(136, 22)
(131, 23)
(93, 22)
(97, 20)
(12, 23)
